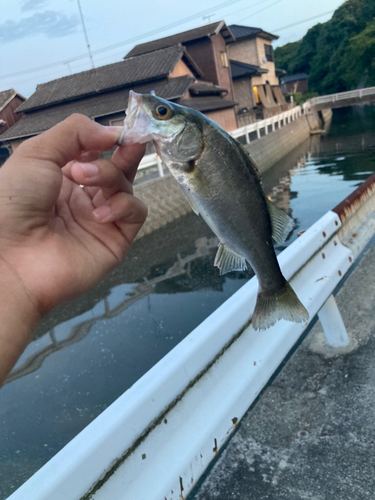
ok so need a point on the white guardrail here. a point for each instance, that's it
(156, 440)
(261, 128)
(342, 96)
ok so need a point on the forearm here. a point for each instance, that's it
(18, 319)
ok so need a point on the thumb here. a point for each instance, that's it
(33, 172)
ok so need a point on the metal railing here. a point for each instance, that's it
(157, 439)
(260, 128)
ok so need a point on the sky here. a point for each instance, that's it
(41, 40)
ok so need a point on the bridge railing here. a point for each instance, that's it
(243, 134)
(342, 96)
(157, 439)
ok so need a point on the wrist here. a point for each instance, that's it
(19, 317)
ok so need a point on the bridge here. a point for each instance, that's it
(341, 100)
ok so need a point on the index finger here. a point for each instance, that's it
(127, 158)
(68, 139)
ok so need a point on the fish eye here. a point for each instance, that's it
(163, 112)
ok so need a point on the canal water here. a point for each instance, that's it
(88, 352)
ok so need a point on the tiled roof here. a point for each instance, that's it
(130, 71)
(240, 69)
(186, 36)
(207, 103)
(242, 32)
(5, 97)
(294, 78)
(101, 105)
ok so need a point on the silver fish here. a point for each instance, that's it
(222, 184)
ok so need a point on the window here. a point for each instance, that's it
(119, 122)
(224, 59)
(256, 95)
(269, 52)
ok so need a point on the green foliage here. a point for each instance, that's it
(338, 55)
(300, 98)
(360, 58)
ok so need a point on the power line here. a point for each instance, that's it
(303, 21)
(125, 42)
(261, 10)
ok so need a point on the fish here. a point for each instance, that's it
(223, 185)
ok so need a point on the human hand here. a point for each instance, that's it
(57, 240)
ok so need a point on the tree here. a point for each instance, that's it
(338, 54)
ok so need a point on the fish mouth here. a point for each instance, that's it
(137, 122)
(141, 127)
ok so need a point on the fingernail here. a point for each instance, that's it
(102, 213)
(89, 169)
(117, 131)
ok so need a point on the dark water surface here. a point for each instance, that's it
(87, 353)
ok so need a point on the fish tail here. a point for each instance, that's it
(284, 304)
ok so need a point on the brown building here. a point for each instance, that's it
(294, 83)
(10, 100)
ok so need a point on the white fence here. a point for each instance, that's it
(261, 128)
(342, 96)
(159, 437)
(268, 125)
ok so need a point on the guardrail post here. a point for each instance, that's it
(160, 167)
(247, 135)
(258, 131)
(332, 323)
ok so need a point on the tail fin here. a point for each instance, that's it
(283, 305)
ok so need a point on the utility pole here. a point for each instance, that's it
(84, 30)
(208, 17)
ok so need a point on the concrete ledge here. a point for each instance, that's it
(270, 149)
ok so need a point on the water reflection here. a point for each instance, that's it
(88, 352)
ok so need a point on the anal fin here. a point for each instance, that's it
(227, 260)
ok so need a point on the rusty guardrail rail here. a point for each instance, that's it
(158, 438)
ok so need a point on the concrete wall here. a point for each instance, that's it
(270, 149)
(165, 200)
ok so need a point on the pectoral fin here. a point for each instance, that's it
(228, 260)
(198, 181)
(282, 224)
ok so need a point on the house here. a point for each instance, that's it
(102, 93)
(255, 82)
(206, 46)
(227, 73)
(294, 83)
(10, 100)
(237, 58)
